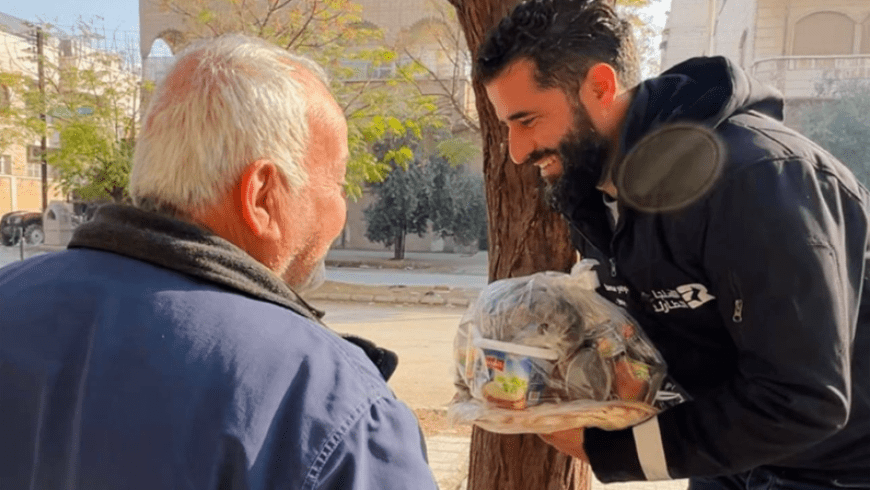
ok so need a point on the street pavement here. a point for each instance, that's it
(13, 254)
(412, 306)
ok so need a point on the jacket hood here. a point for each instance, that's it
(705, 91)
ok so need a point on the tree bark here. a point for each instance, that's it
(399, 246)
(525, 236)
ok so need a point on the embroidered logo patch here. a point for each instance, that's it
(687, 296)
(694, 295)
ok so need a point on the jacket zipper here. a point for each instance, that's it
(737, 316)
(620, 224)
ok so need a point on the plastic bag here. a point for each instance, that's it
(545, 352)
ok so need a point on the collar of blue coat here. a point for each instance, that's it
(189, 249)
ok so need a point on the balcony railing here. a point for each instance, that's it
(807, 76)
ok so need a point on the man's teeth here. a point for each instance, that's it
(542, 164)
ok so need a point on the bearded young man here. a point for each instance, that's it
(168, 347)
(766, 326)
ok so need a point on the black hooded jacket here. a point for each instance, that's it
(755, 295)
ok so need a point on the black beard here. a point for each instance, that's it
(584, 158)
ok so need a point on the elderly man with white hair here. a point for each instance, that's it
(168, 347)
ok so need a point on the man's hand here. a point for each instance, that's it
(569, 442)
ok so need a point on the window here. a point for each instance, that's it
(824, 33)
(381, 72)
(5, 165)
(34, 170)
(358, 69)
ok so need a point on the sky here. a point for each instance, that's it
(122, 16)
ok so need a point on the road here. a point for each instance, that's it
(381, 277)
(386, 277)
(13, 254)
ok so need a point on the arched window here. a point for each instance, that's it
(865, 37)
(158, 61)
(824, 33)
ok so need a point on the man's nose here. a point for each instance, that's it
(519, 147)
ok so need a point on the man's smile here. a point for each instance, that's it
(550, 167)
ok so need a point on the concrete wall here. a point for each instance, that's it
(777, 20)
(735, 31)
(687, 31)
(5, 194)
(710, 27)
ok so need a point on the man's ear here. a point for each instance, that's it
(598, 91)
(258, 199)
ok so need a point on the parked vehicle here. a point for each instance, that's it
(17, 223)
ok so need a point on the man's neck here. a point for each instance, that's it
(621, 104)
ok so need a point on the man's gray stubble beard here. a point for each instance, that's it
(314, 280)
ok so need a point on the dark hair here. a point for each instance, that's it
(564, 38)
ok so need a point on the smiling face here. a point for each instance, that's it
(538, 119)
(551, 131)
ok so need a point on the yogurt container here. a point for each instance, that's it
(515, 374)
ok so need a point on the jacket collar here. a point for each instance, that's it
(197, 252)
(188, 249)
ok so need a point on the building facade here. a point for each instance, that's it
(801, 47)
(20, 164)
(66, 58)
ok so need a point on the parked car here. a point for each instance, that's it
(17, 223)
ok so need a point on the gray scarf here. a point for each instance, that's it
(197, 252)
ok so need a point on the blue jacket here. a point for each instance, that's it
(119, 373)
(757, 295)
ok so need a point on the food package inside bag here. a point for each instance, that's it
(545, 352)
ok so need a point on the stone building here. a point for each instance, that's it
(798, 46)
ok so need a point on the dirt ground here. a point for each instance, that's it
(402, 294)
(434, 422)
(422, 336)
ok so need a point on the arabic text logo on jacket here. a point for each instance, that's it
(687, 296)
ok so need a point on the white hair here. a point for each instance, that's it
(227, 102)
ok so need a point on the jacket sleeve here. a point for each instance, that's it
(784, 252)
(384, 448)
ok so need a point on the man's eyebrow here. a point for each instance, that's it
(519, 115)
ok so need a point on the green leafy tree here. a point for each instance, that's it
(367, 76)
(90, 101)
(839, 124)
(401, 199)
(457, 206)
(16, 123)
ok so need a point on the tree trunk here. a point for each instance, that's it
(525, 236)
(399, 246)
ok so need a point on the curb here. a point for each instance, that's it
(460, 298)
